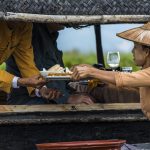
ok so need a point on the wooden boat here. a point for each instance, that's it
(22, 127)
(83, 145)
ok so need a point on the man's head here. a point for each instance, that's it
(141, 54)
(141, 38)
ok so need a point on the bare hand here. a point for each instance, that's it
(34, 81)
(80, 99)
(50, 94)
(82, 72)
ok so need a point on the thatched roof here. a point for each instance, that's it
(95, 11)
(77, 7)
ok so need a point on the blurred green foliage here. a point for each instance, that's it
(3, 66)
(75, 57)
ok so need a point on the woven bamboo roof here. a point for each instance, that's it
(75, 11)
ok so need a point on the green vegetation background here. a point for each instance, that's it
(75, 57)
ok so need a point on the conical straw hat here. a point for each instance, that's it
(139, 35)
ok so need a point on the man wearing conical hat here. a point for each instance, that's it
(141, 79)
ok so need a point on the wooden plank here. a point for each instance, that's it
(40, 114)
(76, 19)
(68, 107)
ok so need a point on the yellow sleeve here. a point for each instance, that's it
(136, 79)
(5, 81)
(24, 54)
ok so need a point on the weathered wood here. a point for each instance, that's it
(25, 136)
(22, 127)
(68, 107)
(74, 19)
(70, 113)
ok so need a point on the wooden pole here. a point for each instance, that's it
(88, 19)
(100, 57)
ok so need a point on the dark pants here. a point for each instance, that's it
(21, 97)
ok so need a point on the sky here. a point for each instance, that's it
(84, 39)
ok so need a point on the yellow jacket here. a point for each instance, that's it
(16, 42)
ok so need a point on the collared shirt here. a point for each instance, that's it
(139, 79)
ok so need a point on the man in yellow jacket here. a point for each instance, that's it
(15, 39)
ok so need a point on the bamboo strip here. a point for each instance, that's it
(104, 19)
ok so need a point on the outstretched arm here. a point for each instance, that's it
(80, 72)
(136, 79)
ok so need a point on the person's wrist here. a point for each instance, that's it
(93, 72)
(20, 82)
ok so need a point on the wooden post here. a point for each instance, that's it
(100, 58)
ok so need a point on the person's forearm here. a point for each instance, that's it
(105, 76)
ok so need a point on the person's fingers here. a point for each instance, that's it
(75, 75)
(75, 68)
(50, 94)
(90, 101)
(79, 73)
(44, 93)
(87, 101)
(71, 69)
(58, 94)
(53, 95)
(39, 85)
(39, 82)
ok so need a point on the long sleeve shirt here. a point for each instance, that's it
(139, 79)
(16, 42)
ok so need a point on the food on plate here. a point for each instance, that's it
(57, 70)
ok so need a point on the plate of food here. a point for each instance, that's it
(56, 73)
